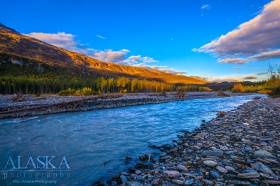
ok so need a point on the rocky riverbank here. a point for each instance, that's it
(12, 106)
(239, 147)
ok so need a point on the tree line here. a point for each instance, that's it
(31, 78)
(40, 85)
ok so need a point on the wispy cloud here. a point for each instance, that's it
(257, 39)
(168, 70)
(252, 77)
(205, 7)
(233, 60)
(258, 57)
(60, 39)
(262, 73)
(233, 78)
(139, 60)
(100, 37)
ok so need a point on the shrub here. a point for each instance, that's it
(238, 88)
(86, 91)
(265, 91)
(67, 92)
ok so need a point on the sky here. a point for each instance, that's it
(215, 39)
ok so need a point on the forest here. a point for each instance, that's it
(31, 78)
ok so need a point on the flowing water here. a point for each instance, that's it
(96, 143)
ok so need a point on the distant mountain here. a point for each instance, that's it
(19, 48)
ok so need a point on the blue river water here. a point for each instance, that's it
(95, 143)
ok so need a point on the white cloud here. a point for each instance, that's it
(122, 57)
(100, 37)
(205, 7)
(60, 39)
(139, 60)
(111, 56)
(256, 39)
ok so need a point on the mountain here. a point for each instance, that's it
(19, 48)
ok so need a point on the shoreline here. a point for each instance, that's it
(28, 105)
(241, 147)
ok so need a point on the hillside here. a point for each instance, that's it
(19, 48)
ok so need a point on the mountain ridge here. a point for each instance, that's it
(12, 43)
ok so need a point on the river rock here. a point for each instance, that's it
(214, 174)
(134, 183)
(182, 168)
(263, 168)
(207, 182)
(178, 182)
(188, 182)
(262, 153)
(229, 168)
(221, 169)
(216, 152)
(223, 151)
(171, 173)
(123, 179)
(249, 175)
(272, 182)
(210, 163)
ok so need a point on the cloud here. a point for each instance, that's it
(252, 77)
(168, 70)
(138, 60)
(267, 55)
(256, 39)
(205, 7)
(100, 37)
(122, 57)
(262, 73)
(259, 57)
(111, 56)
(233, 60)
(233, 78)
(60, 39)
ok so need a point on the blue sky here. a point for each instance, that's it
(159, 33)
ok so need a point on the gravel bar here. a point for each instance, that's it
(239, 147)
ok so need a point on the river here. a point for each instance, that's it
(94, 144)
